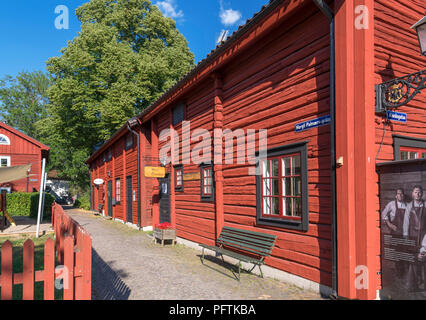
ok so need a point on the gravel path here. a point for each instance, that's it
(127, 265)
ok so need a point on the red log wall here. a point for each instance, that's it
(122, 165)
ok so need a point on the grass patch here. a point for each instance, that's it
(18, 244)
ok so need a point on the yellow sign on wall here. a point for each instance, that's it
(191, 176)
(155, 172)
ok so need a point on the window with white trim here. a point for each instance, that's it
(409, 148)
(8, 189)
(281, 185)
(179, 178)
(4, 140)
(282, 188)
(410, 153)
(207, 182)
(4, 161)
(117, 191)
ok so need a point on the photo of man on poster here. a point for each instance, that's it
(394, 212)
(415, 229)
(393, 222)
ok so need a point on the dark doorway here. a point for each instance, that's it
(110, 198)
(129, 199)
(165, 199)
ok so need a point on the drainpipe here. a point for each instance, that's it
(131, 124)
(326, 10)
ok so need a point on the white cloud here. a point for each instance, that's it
(229, 17)
(169, 9)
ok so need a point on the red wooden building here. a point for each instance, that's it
(16, 149)
(276, 74)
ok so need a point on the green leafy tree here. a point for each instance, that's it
(23, 101)
(126, 55)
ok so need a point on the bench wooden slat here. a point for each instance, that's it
(258, 234)
(247, 248)
(247, 243)
(234, 254)
(244, 244)
(262, 243)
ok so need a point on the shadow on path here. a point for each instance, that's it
(107, 283)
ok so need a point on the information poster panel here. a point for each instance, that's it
(403, 229)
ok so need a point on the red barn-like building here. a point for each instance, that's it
(276, 74)
(16, 148)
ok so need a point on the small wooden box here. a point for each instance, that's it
(165, 234)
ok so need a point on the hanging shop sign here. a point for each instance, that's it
(315, 123)
(191, 176)
(155, 172)
(400, 91)
(396, 116)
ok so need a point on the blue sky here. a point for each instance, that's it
(28, 36)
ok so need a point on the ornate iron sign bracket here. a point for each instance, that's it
(399, 92)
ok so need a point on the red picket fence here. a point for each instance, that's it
(65, 227)
(74, 252)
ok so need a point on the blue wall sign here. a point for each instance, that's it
(396, 116)
(313, 123)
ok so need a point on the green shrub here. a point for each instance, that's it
(83, 202)
(26, 204)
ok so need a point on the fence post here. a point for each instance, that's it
(60, 239)
(6, 271)
(78, 284)
(69, 267)
(87, 267)
(49, 270)
(74, 251)
(28, 274)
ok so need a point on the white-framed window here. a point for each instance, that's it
(117, 191)
(4, 140)
(282, 188)
(4, 161)
(179, 178)
(207, 182)
(8, 189)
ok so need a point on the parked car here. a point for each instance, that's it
(63, 199)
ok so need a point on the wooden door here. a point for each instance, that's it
(165, 199)
(129, 199)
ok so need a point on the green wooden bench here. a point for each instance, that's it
(251, 247)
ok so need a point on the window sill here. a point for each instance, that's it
(207, 198)
(283, 223)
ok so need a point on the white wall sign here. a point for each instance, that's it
(98, 182)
